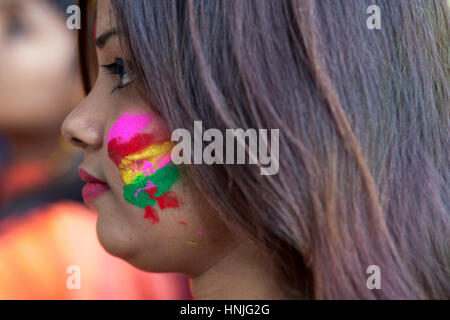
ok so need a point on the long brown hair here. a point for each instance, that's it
(363, 118)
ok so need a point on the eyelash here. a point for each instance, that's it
(117, 68)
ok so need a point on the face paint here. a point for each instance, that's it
(144, 165)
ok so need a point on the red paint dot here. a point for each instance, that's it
(168, 200)
(119, 150)
(151, 192)
(151, 214)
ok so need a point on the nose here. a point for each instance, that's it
(83, 128)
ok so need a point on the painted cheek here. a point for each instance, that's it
(144, 164)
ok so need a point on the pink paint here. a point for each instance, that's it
(145, 166)
(200, 233)
(149, 186)
(148, 168)
(164, 161)
(128, 126)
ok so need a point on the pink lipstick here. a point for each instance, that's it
(94, 187)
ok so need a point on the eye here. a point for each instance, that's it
(118, 69)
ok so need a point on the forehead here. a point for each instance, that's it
(105, 16)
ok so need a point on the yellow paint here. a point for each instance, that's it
(127, 167)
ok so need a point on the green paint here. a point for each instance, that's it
(163, 179)
(143, 200)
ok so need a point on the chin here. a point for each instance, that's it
(114, 239)
(121, 243)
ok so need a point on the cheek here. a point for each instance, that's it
(142, 153)
(177, 219)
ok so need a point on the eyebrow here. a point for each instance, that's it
(100, 42)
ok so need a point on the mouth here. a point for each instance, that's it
(94, 187)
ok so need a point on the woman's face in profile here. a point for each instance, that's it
(149, 212)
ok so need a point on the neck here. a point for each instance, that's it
(243, 274)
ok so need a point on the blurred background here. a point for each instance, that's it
(44, 226)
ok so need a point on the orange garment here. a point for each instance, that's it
(36, 251)
(23, 177)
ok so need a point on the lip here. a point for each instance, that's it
(86, 177)
(94, 187)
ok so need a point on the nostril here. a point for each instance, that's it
(77, 142)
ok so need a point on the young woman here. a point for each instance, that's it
(45, 231)
(362, 189)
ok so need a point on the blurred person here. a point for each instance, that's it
(38, 86)
(44, 229)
